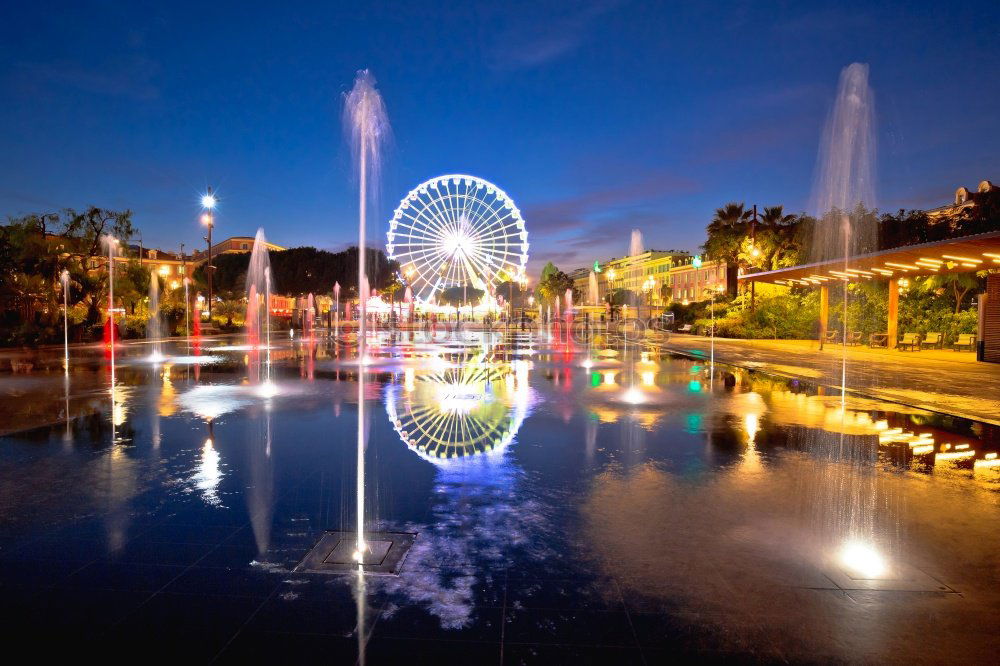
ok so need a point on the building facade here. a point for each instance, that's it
(644, 279)
(695, 280)
(236, 244)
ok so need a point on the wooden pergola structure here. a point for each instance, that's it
(956, 255)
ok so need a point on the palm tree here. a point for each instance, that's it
(726, 232)
(776, 236)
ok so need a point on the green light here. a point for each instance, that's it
(693, 422)
(597, 267)
(694, 386)
(696, 262)
(595, 379)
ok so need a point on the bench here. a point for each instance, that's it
(932, 341)
(686, 328)
(911, 340)
(965, 340)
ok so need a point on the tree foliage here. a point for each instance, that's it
(35, 249)
(303, 270)
(552, 284)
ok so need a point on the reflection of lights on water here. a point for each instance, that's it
(156, 357)
(408, 379)
(472, 408)
(454, 400)
(862, 559)
(634, 396)
(752, 424)
(989, 460)
(587, 363)
(195, 360)
(208, 474)
(119, 406)
(609, 378)
(209, 402)
(647, 378)
(694, 386)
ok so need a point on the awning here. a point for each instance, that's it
(955, 255)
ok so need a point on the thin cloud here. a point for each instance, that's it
(569, 213)
(131, 78)
(536, 43)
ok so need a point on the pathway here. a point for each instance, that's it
(941, 381)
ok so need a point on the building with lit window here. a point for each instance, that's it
(236, 244)
(644, 278)
(695, 279)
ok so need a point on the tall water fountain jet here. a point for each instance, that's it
(258, 313)
(843, 202)
(336, 308)
(187, 307)
(112, 244)
(408, 300)
(310, 315)
(635, 245)
(844, 190)
(154, 332)
(593, 293)
(64, 278)
(367, 127)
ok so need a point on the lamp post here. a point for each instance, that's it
(647, 287)
(611, 293)
(207, 218)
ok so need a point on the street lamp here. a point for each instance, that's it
(208, 219)
(647, 287)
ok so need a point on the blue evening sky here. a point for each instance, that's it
(595, 117)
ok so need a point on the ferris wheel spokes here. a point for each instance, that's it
(457, 230)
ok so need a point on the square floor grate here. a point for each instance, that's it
(902, 578)
(335, 553)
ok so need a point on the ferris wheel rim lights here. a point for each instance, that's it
(441, 232)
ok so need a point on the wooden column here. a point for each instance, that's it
(824, 313)
(990, 320)
(892, 327)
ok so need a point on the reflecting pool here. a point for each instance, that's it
(591, 502)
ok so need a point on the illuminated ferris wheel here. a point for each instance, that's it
(457, 230)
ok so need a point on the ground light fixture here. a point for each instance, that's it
(862, 560)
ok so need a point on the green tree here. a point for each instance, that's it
(956, 285)
(552, 284)
(36, 248)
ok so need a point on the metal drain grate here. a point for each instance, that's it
(334, 553)
(903, 578)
